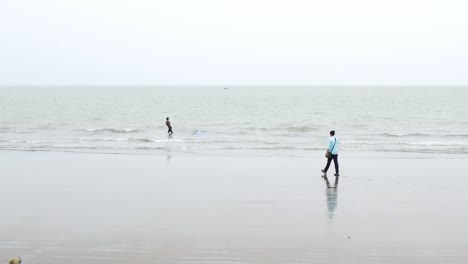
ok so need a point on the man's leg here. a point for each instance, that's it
(328, 164)
(335, 161)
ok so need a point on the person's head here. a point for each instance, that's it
(332, 133)
(167, 118)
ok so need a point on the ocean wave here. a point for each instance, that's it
(423, 135)
(279, 148)
(151, 148)
(111, 130)
(425, 150)
(35, 141)
(6, 129)
(109, 139)
(282, 129)
(42, 127)
(151, 140)
(73, 146)
(145, 140)
(302, 129)
(435, 143)
(23, 141)
(292, 129)
(405, 134)
(101, 139)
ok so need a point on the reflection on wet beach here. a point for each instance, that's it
(332, 196)
(223, 209)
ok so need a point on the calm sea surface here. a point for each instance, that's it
(215, 120)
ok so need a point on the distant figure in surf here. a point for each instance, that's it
(332, 154)
(169, 127)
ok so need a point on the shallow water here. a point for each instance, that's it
(261, 120)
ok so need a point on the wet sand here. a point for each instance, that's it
(101, 208)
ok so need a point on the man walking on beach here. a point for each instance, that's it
(332, 154)
(169, 127)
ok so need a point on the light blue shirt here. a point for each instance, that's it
(331, 142)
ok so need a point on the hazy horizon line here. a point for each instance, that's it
(234, 85)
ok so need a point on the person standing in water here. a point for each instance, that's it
(169, 127)
(333, 144)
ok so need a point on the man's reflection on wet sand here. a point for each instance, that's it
(332, 196)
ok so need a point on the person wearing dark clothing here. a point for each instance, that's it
(169, 127)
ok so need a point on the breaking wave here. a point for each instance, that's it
(423, 135)
(111, 130)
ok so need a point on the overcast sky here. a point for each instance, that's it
(197, 42)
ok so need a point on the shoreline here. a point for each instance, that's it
(259, 154)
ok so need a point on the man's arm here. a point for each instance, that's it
(330, 145)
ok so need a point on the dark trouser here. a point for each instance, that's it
(335, 161)
(170, 130)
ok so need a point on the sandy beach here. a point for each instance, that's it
(101, 208)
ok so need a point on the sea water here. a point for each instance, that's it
(221, 120)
